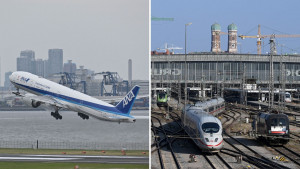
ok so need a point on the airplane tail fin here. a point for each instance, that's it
(125, 105)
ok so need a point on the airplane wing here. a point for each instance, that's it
(45, 99)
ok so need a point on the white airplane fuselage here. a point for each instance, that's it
(72, 99)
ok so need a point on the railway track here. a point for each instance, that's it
(288, 153)
(169, 136)
(216, 161)
(248, 153)
(166, 139)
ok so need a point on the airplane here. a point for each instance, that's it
(53, 96)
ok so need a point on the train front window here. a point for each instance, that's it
(287, 95)
(282, 122)
(278, 122)
(210, 127)
(161, 95)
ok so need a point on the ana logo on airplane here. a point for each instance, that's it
(25, 79)
(128, 98)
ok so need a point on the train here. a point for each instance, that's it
(213, 106)
(204, 129)
(274, 128)
(288, 97)
(202, 126)
(162, 99)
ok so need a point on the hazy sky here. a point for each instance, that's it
(276, 16)
(99, 34)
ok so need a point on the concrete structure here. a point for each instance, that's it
(26, 61)
(55, 61)
(215, 38)
(232, 38)
(129, 72)
(70, 67)
(223, 69)
(144, 86)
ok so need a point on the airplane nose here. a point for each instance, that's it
(11, 77)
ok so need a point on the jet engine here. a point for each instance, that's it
(30, 102)
(35, 104)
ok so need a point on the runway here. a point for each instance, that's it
(75, 158)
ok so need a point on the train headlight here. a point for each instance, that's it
(206, 139)
(216, 139)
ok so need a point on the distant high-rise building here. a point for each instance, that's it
(46, 68)
(40, 67)
(7, 81)
(70, 67)
(215, 38)
(232, 38)
(55, 61)
(26, 61)
(30, 54)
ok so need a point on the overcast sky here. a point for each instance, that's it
(276, 16)
(99, 34)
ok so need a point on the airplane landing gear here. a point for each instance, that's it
(83, 116)
(56, 115)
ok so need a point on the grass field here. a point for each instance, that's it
(73, 152)
(40, 165)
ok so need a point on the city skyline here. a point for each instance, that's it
(101, 35)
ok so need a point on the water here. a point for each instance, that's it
(29, 126)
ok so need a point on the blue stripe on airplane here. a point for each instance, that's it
(77, 101)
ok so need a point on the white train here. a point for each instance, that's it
(204, 128)
(212, 106)
(288, 97)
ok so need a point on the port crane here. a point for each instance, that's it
(259, 37)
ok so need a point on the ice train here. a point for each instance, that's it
(204, 128)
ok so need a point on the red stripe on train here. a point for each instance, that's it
(277, 132)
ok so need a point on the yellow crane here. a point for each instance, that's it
(259, 37)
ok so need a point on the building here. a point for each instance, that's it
(224, 69)
(55, 61)
(70, 67)
(40, 67)
(6, 80)
(26, 61)
(232, 38)
(144, 86)
(215, 38)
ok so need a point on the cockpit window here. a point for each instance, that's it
(210, 127)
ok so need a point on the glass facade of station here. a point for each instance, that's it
(225, 71)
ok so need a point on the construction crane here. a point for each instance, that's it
(259, 37)
(153, 18)
(168, 48)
